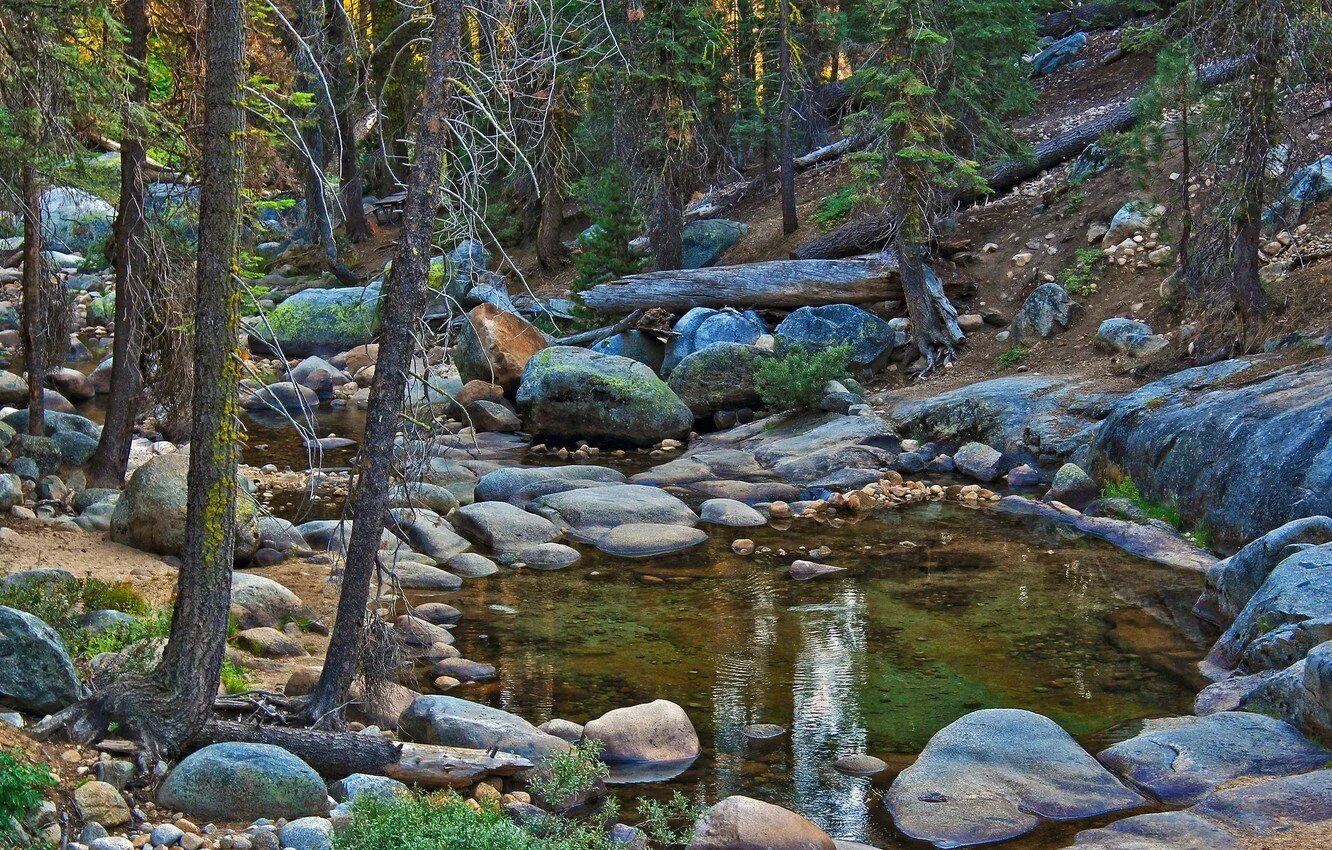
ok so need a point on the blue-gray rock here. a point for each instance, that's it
(1276, 422)
(1157, 831)
(322, 321)
(996, 774)
(307, 373)
(799, 449)
(75, 448)
(730, 512)
(590, 512)
(1047, 311)
(704, 326)
(503, 528)
(280, 396)
(1184, 763)
(515, 484)
(426, 532)
(11, 491)
(310, 833)
(568, 393)
(56, 421)
(73, 219)
(36, 675)
(721, 376)
(1129, 336)
(235, 781)
(703, 242)
(1073, 486)
(1272, 807)
(1232, 582)
(450, 721)
(1132, 218)
(978, 461)
(165, 835)
(636, 345)
(871, 339)
(548, 556)
(1058, 54)
(1090, 162)
(42, 451)
(413, 575)
(105, 620)
(1308, 186)
(357, 784)
(471, 565)
(649, 540)
(258, 601)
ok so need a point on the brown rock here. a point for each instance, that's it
(743, 823)
(359, 357)
(480, 391)
(494, 346)
(269, 643)
(100, 802)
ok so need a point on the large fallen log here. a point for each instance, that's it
(866, 233)
(335, 755)
(777, 283)
(730, 194)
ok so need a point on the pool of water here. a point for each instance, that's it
(944, 611)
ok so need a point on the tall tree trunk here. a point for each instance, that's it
(109, 461)
(789, 220)
(550, 250)
(1251, 173)
(345, 75)
(354, 223)
(933, 317)
(404, 301)
(668, 220)
(34, 309)
(169, 705)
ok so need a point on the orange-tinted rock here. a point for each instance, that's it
(494, 346)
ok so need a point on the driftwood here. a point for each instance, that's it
(598, 334)
(335, 755)
(868, 232)
(777, 283)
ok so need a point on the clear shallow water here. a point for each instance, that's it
(978, 613)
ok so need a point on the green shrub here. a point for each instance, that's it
(97, 595)
(234, 678)
(794, 379)
(446, 822)
(567, 777)
(1080, 278)
(835, 208)
(604, 247)
(671, 823)
(1126, 488)
(22, 784)
(84, 645)
(1013, 356)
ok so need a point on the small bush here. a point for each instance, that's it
(85, 645)
(568, 777)
(97, 595)
(835, 208)
(1012, 357)
(671, 823)
(446, 822)
(234, 678)
(22, 784)
(1080, 278)
(794, 379)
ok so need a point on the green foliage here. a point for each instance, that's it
(22, 787)
(605, 253)
(836, 208)
(794, 379)
(446, 822)
(1202, 535)
(1080, 278)
(60, 602)
(1124, 487)
(1012, 357)
(97, 595)
(84, 645)
(234, 678)
(565, 777)
(671, 823)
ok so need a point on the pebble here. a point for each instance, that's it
(743, 546)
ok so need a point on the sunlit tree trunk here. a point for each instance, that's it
(34, 309)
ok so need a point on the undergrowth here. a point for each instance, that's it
(794, 379)
(566, 777)
(1126, 488)
(1080, 278)
(1012, 357)
(23, 784)
(61, 601)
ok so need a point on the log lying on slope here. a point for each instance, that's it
(334, 755)
(868, 232)
(777, 283)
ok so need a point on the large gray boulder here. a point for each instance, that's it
(280, 396)
(656, 732)
(1194, 756)
(36, 674)
(150, 513)
(242, 782)
(703, 242)
(590, 512)
(1232, 582)
(871, 339)
(1276, 423)
(503, 528)
(705, 326)
(1058, 54)
(743, 823)
(978, 461)
(1271, 808)
(322, 321)
(719, 377)
(996, 774)
(1307, 187)
(1047, 311)
(569, 393)
(454, 722)
(426, 532)
(520, 485)
(649, 540)
(636, 345)
(1129, 336)
(73, 219)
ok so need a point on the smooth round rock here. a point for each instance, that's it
(235, 781)
(548, 556)
(860, 764)
(730, 512)
(763, 731)
(647, 540)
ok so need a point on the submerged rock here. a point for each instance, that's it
(1158, 831)
(996, 774)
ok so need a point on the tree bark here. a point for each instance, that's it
(789, 220)
(34, 312)
(776, 283)
(110, 459)
(668, 221)
(868, 232)
(933, 317)
(345, 79)
(404, 301)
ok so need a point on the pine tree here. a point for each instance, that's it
(605, 253)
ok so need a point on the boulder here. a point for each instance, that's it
(1276, 418)
(1271, 808)
(1073, 487)
(656, 732)
(73, 219)
(280, 396)
(1158, 831)
(36, 675)
(649, 540)
(1187, 761)
(348, 788)
(978, 461)
(547, 556)
(1308, 187)
(719, 377)
(495, 346)
(503, 528)
(71, 383)
(569, 393)
(258, 601)
(1058, 55)
(589, 512)
(730, 512)
(871, 339)
(426, 532)
(636, 345)
(518, 484)
(1232, 582)
(1128, 336)
(242, 782)
(705, 326)
(1047, 311)
(996, 774)
(419, 494)
(703, 242)
(150, 513)
(455, 722)
(317, 374)
(310, 833)
(1131, 219)
(101, 803)
(485, 415)
(322, 321)
(743, 823)
(471, 565)
(413, 575)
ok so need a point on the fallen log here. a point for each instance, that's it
(866, 233)
(596, 335)
(730, 194)
(335, 755)
(776, 283)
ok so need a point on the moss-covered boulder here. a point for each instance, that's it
(150, 513)
(720, 377)
(242, 782)
(575, 393)
(322, 321)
